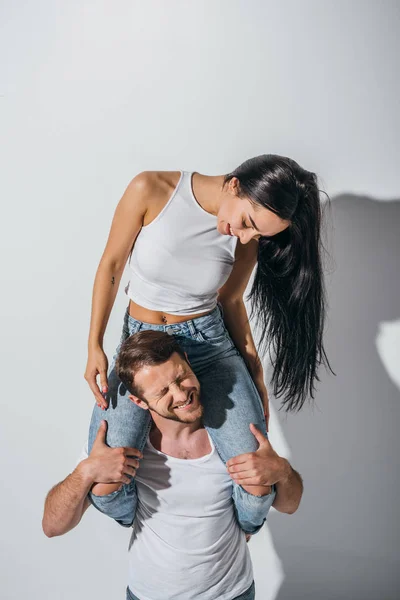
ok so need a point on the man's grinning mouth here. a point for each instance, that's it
(189, 401)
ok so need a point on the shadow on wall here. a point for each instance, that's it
(343, 540)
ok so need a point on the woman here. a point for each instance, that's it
(194, 241)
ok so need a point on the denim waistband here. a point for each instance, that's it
(245, 595)
(189, 327)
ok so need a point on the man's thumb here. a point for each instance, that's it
(257, 434)
(101, 433)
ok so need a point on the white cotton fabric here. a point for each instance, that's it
(186, 542)
(180, 260)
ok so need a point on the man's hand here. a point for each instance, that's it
(259, 469)
(111, 465)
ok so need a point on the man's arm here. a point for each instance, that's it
(261, 476)
(289, 491)
(103, 472)
(67, 501)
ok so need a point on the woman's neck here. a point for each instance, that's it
(207, 191)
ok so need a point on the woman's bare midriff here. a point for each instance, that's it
(156, 317)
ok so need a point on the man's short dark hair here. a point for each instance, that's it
(144, 348)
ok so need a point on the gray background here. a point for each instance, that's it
(92, 93)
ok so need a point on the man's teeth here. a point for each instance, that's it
(230, 230)
(186, 403)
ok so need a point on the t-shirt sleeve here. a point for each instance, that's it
(84, 454)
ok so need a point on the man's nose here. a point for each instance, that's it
(179, 394)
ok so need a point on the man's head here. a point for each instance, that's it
(157, 373)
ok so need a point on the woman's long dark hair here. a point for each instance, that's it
(288, 294)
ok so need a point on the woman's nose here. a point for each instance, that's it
(245, 236)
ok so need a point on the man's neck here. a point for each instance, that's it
(180, 440)
(174, 430)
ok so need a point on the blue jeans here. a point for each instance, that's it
(230, 400)
(249, 594)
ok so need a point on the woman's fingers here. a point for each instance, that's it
(103, 381)
(101, 395)
(97, 365)
(95, 389)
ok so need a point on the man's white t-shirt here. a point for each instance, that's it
(186, 543)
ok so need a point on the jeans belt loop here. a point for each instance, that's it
(191, 326)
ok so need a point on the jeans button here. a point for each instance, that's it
(170, 331)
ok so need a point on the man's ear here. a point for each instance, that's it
(138, 401)
(187, 358)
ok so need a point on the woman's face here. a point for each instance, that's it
(240, 217)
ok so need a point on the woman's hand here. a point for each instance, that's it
(97, 364)
(262, 390)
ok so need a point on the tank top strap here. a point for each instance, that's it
(185, 186)
(186, 191)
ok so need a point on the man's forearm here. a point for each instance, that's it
(67, 501)
(288, 491)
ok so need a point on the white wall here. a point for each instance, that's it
(91, 93)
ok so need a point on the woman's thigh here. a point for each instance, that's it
(230, 398)
(231, 402)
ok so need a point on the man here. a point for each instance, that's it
(188, 538)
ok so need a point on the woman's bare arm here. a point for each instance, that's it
(236, 318)
(235, 313)
(126, 224)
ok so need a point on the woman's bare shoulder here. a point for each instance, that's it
(151, 183)
(154, 188)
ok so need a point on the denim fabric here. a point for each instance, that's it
(249, 594)
(230, 399)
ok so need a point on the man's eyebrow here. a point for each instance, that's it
(254, 225)
(177, 379)
(162, 392)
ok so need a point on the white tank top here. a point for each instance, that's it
(186, 543)
(180, 260)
